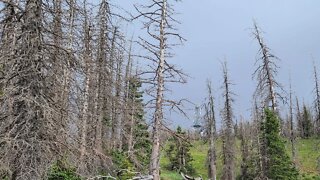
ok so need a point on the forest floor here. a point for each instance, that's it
(307, 150)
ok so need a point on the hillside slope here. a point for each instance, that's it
(308, 153)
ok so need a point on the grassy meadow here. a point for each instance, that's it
(307, 150)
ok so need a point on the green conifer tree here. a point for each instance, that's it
(179, 154)
(142, 146)
(306, 123)
(137, 157)
(278, 163)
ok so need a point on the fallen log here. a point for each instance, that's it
(186, 177)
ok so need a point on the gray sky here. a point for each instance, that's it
(218, 29)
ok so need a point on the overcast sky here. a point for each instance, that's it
(219, 29)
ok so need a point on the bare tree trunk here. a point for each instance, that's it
(67, 72)
(317, 101)
(29, 131)
(118, 105)
(212, 171)
(299, 119)
(228, 134)
(159, 28)
(61, 89)
(111, 87)
(265, 75)
(292, 134)
(244, 138)
(86, 93)
(101, 75)
(258, 119)
(158, 115)
(129, 103)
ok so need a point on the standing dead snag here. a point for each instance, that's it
(244, 136)
(268, 89)
(162, 35)
(228, 133)
(317, 100)
(85, 114)
(103, 15)
(29, 130)
(292, 134)
(299, 118)
(210, 116)
(265, 73)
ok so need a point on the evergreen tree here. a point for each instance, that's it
(278, 163)
(136, 150)
(139, 149)
(142, 144)
(306, 123)
(178, 153)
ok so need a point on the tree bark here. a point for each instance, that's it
(228, 134)
(317, 101)
(212, 171)
(158, 115)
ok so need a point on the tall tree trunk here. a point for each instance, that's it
(212, 171)
(67, 72)
(28, 132)
(317, 101)
(118, 105)
(292, 134)
(111, 87)
(267, 68)
(101, 75)
(228, 134)
(299, 119)
(158, 115)
(129, 103)
(86, 92)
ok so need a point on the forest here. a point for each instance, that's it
(85, 97)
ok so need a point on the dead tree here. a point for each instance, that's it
(68, 63)
(129, 110)
(228, 133)
(117, 133)
(245, 138)
(88, 64)
(299, 119)
(101, 74)
(257, 115)
(292, 134)
(210, 116)
(101, 56)
(317, 100)
(161, 31)
(268, 89)
(29, 130)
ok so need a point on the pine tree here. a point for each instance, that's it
(179, 153)
(306, 123)
(278, 163)
(142, 144)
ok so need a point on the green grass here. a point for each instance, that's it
(307, 157)
(308, 152)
